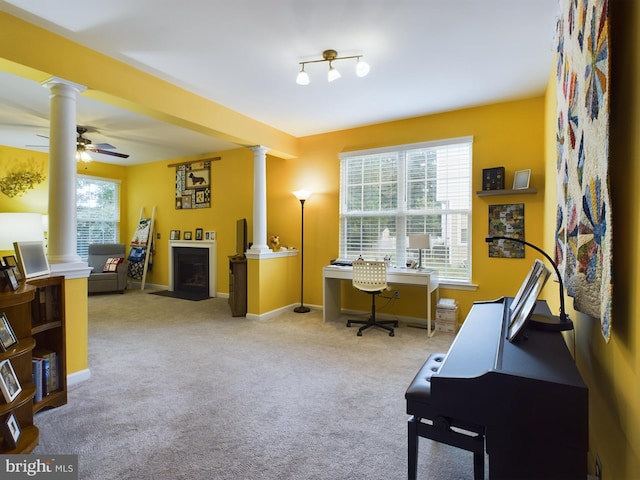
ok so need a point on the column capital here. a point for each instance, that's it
(53, 82)
(259, 149)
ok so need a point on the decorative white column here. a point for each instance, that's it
(62, 175)
(259, 200)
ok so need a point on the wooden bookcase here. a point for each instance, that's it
(48, 331)
(17, 306)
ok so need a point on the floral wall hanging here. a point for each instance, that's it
(583, 229)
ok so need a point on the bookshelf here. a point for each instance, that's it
(17, 306)
(48, 332)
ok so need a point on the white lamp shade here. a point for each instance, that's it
(362, 68)
(303, 78)
(333, 74)
(20, 227)
(302, 194)
(420, 241)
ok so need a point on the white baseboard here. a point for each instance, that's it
(78, 377)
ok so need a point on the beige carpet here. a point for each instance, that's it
(182, 390)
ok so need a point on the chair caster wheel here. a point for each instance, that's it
(359, 334)
(391, 334)
(348, 324)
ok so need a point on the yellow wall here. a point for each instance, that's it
(612, 370)
(516, 135)
(508, 134)
(77, 330)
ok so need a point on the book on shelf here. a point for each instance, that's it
(36, 369)
(50, 373)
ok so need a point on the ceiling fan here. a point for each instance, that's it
(84, 145)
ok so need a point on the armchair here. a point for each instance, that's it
(107, 281)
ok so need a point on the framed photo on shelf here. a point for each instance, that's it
(10, 261)
(175, 235)
(187, 235)
(521, 179)
(493, 178)
(10, 430)
(31, 258)
(7, 336)
(10, 277)
(198, 234)
(9, 383)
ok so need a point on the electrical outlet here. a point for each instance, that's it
(598, 468)
(396, 294)
(158, 235)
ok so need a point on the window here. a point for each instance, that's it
(388, 194)
(98, 212)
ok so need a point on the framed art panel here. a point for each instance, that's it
(506, 220)
(193, 185)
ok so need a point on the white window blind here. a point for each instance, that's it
(388, 194)
(98, 212)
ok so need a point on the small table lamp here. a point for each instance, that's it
(420, 242)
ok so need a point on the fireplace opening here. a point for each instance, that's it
(191, 270)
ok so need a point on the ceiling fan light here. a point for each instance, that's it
(333, 74)
(303, 77)
(362, 68)
(83, 156)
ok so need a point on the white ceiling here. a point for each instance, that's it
(426, 56)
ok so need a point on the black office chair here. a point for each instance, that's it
(371, 277)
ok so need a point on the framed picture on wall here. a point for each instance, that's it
(175, 235)
(199, 234)
(187, 235)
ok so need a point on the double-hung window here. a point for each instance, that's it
(388, 194)
(98, 212)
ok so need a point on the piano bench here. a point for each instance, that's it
(438, 427)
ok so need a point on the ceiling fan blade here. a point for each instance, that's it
(107, 152)
(103, 146)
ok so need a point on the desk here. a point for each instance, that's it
(333, 275)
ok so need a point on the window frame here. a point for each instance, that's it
(82, 244)
(452, 258)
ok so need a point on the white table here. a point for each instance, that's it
(333, 275)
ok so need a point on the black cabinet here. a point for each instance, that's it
(238, 285)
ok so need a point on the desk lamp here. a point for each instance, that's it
(420, 242)
(544, 322)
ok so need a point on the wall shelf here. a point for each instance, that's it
(491, 193)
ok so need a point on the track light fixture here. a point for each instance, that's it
(362, 67)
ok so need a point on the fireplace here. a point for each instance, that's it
(192, 266)
(191, 270)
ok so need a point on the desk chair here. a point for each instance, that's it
(371, 278)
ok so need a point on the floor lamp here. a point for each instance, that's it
(302, 195)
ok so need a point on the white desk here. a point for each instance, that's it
(333, 275)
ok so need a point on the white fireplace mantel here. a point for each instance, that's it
(211, 245)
